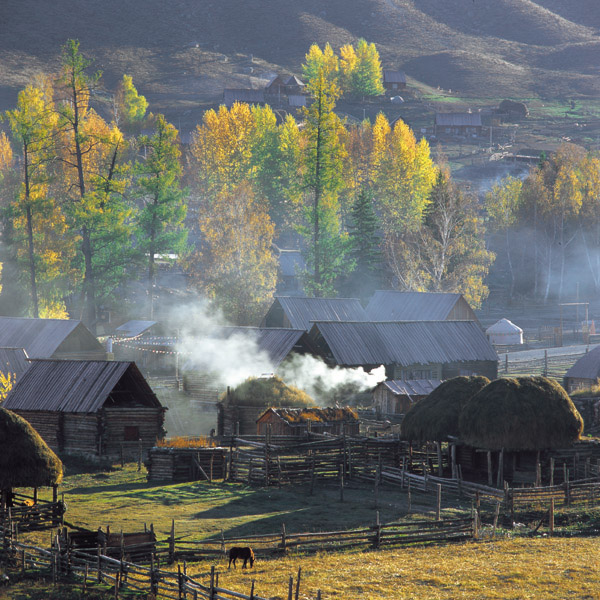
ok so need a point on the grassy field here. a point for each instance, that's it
(510, 566)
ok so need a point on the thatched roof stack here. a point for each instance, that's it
(25, 459)
(268, 391)
(436, 417)
(523, 413)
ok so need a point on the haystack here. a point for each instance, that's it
(523, 413)
(25, 459)
(436, 417)
(271, 391)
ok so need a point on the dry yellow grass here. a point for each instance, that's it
(540, 568)
(187, 442)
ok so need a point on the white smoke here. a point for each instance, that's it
(230, 361)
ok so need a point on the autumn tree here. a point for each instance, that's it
(360, 68)
(326, 244)
(323, 63)
(161, 219)
(502, 204)
(130, 106)
(93, 183)
(235, 265)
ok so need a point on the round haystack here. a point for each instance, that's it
(25, 459)
(436, 417)
(522, 413)
(268, 391)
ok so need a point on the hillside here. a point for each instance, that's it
(183, 52)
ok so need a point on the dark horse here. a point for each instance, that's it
(245, 553)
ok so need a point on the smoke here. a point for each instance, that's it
(229, 361)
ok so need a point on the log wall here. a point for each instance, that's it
(114, 420)
(47, 424)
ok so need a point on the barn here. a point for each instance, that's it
(89, 407)
(300, 421)
(393, 305)
(585, 373)
(396, 396)
(394, 80)
(409, 349)
(463, 123)
(50, 338)
(299, 312)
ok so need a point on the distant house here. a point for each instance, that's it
(393, 305)
(408, 350)
(394, 80)
(299, 421)
(13, 362)
(585, 373)
(50, 338)
(463, 123)
(90, 407)
(136, 328)
(275, 86)
(249, 96)
(397, 396)
(299, 312)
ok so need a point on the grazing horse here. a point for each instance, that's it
(245, 553)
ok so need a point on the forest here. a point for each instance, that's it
(94, 190)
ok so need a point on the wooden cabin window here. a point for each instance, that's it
(132, 433)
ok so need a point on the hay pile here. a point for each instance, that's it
(436, 417)
(25, 459)
(523, 413)
(270, 391)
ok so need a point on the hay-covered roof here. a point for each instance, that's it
(436, 417)
(523, 413)
(268, 391)
(298, 416)
(25, 459)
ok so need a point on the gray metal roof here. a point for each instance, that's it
(411, 387)
(41, 337)
(302, 311)
(404, 343)
(465, 119)
(292, 80)
(277, 342)
(243, 95)
(78, 386)
(297, 99)
(134, 328)
(392, 305)
(587, 367)
(394, 77)
(13, 360)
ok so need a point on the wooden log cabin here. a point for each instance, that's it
(97, 408)
(299, 421)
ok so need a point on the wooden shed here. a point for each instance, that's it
(299, 421)
(397, 396)
(89, 407)
(394, 80)
(585, 373)
(464, 123)
(50, 338)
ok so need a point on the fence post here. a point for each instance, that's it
(212, 583)
(439, 502)
(567, 491)
(496, 515)
(377, 488)
(99, 566)
(179, 583)
(154, 578)
(551, 471)
(377, 532)
(312, 477)
(172, 543)
(318, 594)
(283, 540)
(223, 544)
(408, 496)
(298, 583)
(341, 485)
(290, 588)
(475, 523)
(139, 455)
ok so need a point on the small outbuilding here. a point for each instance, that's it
(90, 407)
(300, 421)
(585, 373)
(248, 96)
(394, 80)
(464, 123)
(397, 396)
(504, 333)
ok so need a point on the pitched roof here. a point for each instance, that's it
(134, 328)
(293, 80)
(587, 367)
(393, 305)
(394, 77)
(277, 342)
(13, 360)
(81, 386)
(411, 387)
(465, 119)
(404, 343)
(298, 416)
(301, 311)
(40, 337)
